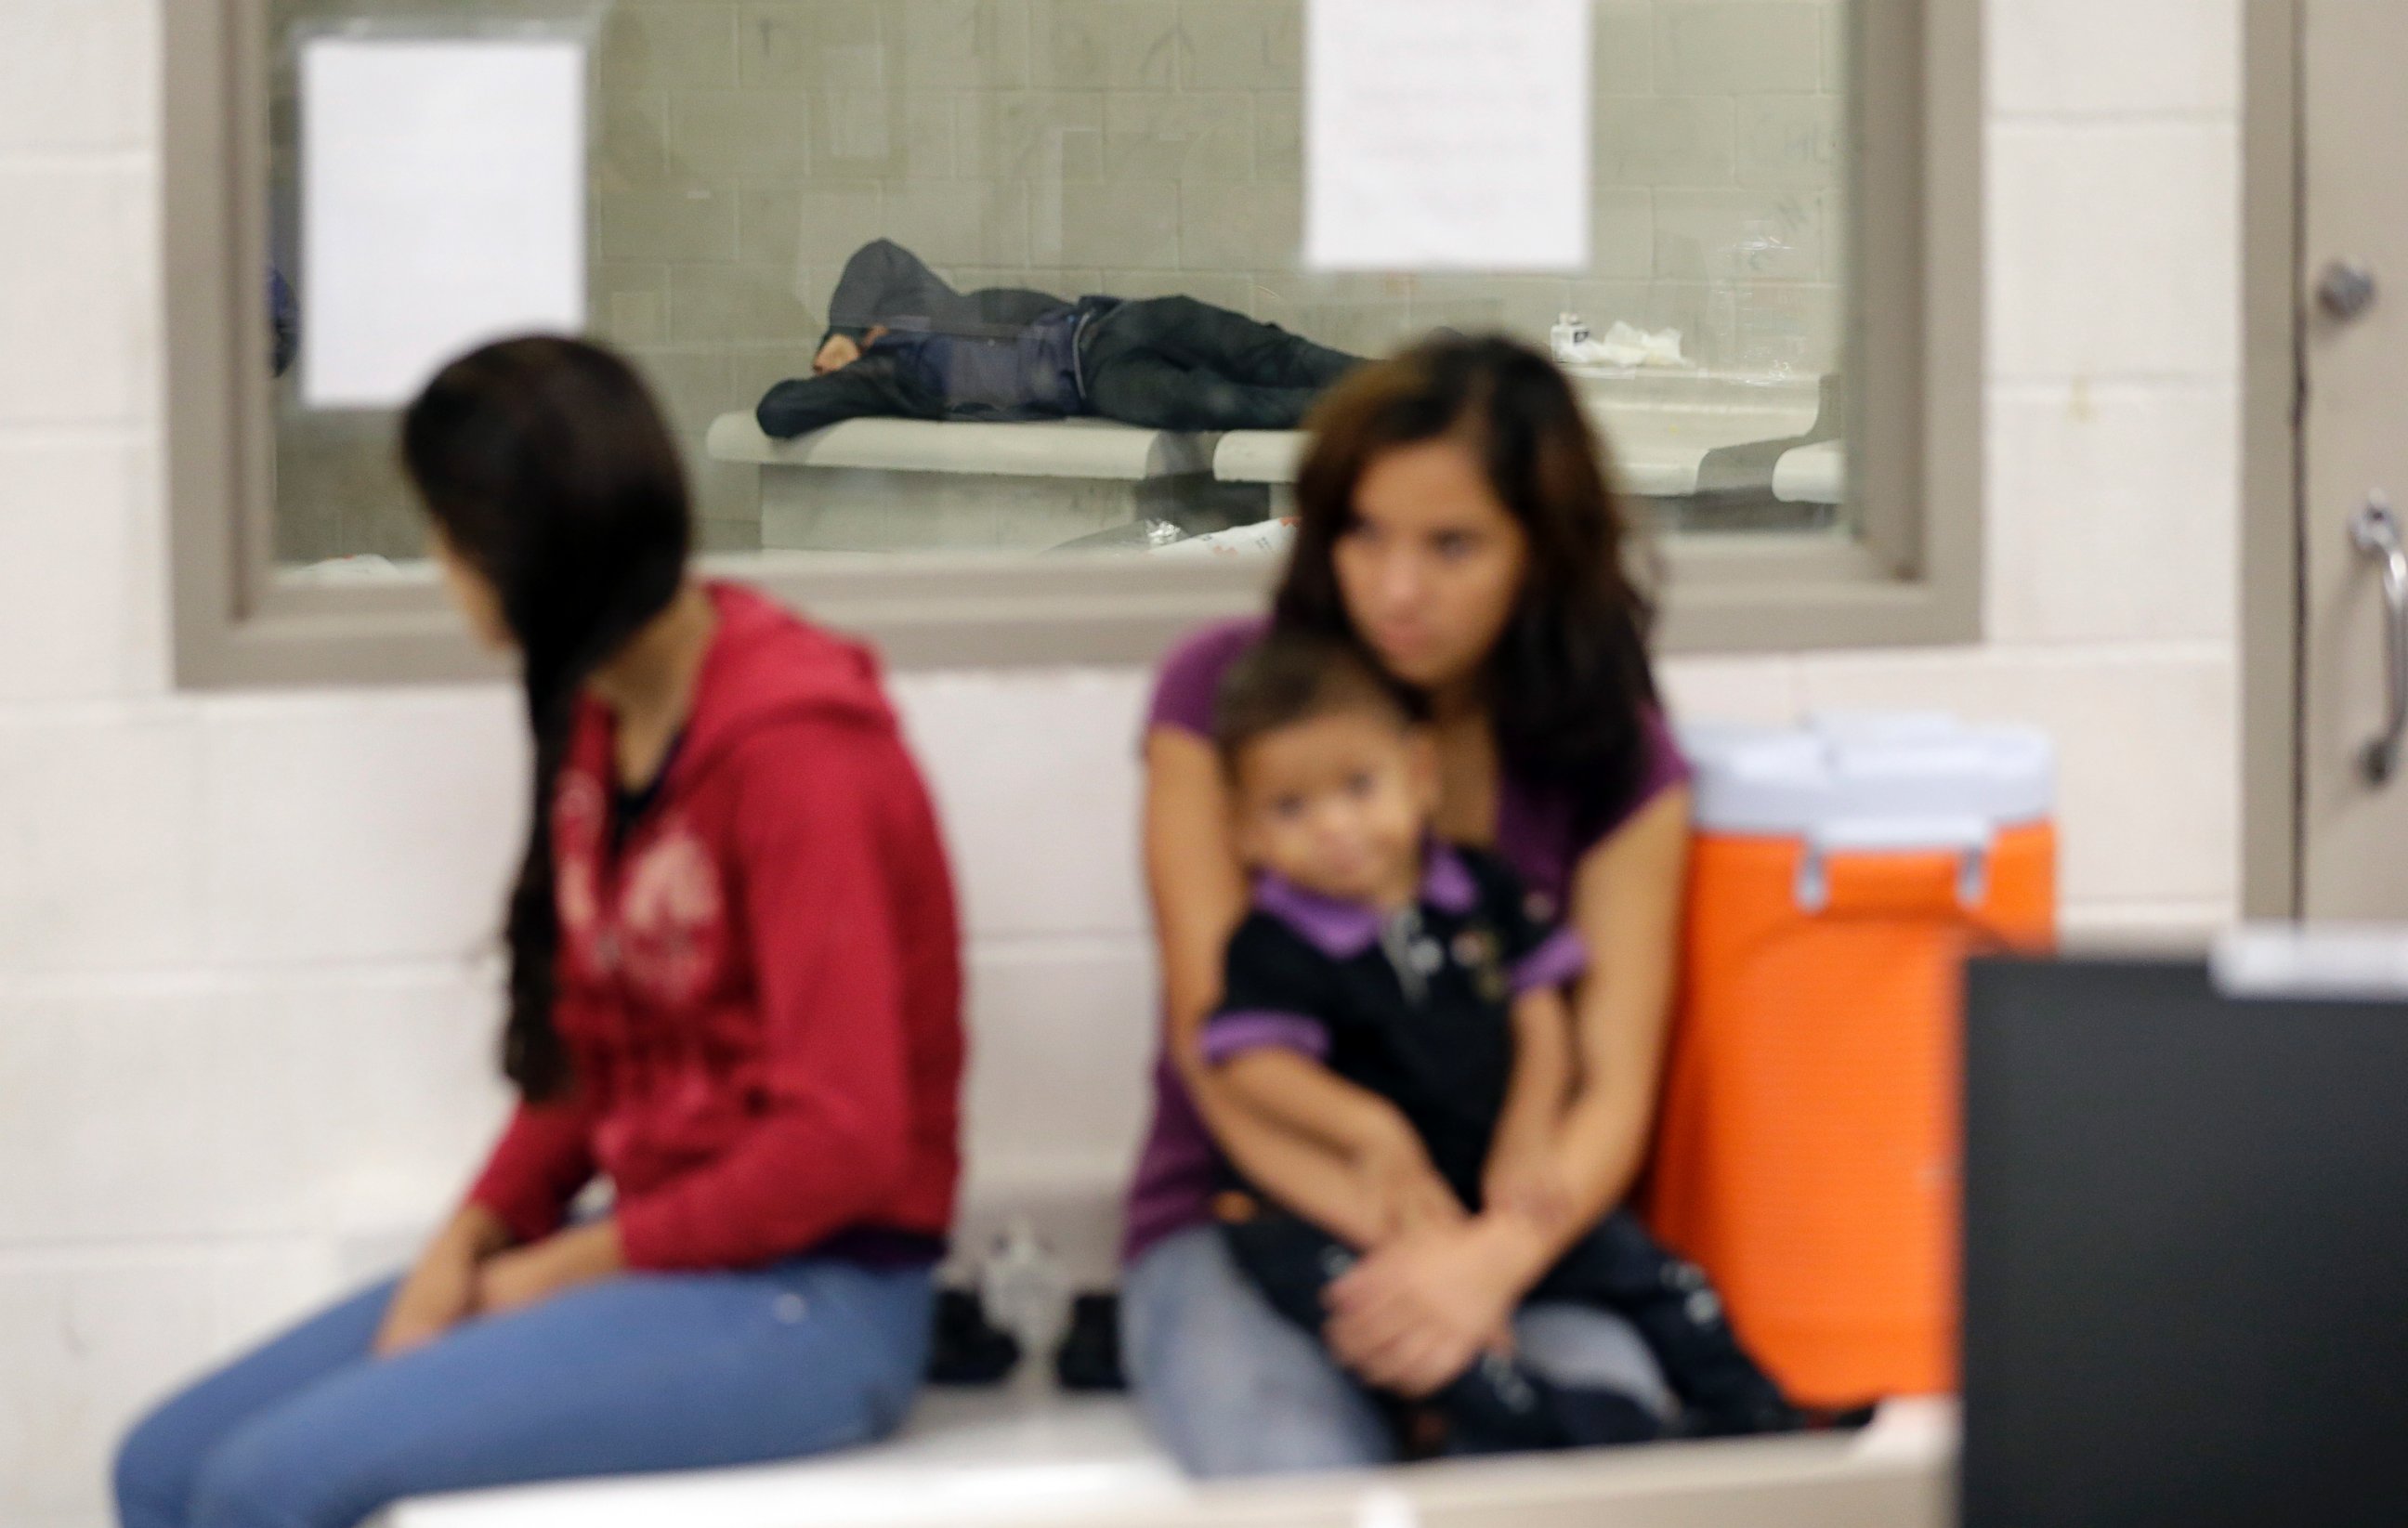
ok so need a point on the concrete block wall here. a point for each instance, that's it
(1136, 147)
(246, 978)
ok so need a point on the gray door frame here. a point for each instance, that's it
(2272, 601)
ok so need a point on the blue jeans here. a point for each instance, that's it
(1232, 1388)
(640, 1372)
(1176, 363)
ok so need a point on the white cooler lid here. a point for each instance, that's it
(1890, 777)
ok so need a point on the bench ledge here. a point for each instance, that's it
(1259, 456)
(1072, 448)
(1029, 1457)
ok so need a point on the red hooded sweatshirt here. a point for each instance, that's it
(760, 988)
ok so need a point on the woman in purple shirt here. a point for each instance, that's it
(1456, 525)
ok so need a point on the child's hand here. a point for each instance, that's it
(1523, 1178)
(1404, 1191)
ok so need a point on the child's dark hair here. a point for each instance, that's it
(548, 468)
(1293, 677)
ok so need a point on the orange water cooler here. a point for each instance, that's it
(1807, 1154)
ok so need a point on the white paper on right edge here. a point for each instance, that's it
(1447, 135)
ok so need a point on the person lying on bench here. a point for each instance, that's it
(902, 343)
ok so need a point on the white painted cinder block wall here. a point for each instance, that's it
(244, 996)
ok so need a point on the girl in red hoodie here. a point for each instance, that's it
(734, 992)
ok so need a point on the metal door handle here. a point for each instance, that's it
(2374, 532)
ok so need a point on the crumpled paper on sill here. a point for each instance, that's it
(1628, 345)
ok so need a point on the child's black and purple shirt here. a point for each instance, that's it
(1414, 1006)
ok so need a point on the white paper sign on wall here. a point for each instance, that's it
(1447, 135)
(443, 205)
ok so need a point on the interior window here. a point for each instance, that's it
(1023, 278)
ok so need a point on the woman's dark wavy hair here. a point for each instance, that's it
(1569, 683)
(547, 468)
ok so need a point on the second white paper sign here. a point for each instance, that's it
(1447, 135)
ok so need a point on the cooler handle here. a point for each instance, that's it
(1969, 837)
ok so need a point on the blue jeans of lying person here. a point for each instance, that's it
(1177, 363)
(1232, 1388)
(636, 1373)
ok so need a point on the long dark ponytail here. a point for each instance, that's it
(547, 468)
(1570, 681)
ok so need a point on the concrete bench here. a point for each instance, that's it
(1817, 474)
(965, 1458)
(1269, 457)
(920, 485)
(1671, 435)
(1676, 435)
(1023, 1458)
(1652, 458)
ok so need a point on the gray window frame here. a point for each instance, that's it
(1914, 376)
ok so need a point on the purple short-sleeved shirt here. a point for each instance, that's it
(1534, 834)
